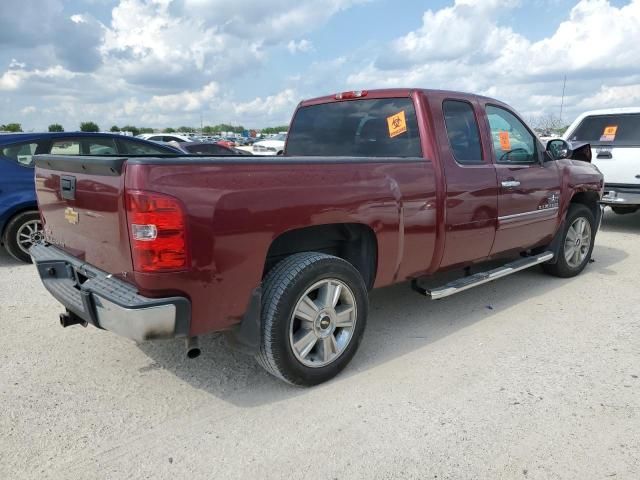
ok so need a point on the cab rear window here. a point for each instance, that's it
(357, 128)
(621, 130)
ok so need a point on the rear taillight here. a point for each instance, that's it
(157, 231)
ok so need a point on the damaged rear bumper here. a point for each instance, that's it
(106, 302)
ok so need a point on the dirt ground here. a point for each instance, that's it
(529, 377)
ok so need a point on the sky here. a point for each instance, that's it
(161, 63)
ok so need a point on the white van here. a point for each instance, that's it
(614, 135)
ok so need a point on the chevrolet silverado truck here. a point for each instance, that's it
(280, 253)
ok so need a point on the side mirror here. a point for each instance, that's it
(559, 149)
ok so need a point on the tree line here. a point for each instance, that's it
(206, 130)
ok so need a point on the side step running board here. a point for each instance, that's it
(481, 278)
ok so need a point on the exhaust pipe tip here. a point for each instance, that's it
(193, 348)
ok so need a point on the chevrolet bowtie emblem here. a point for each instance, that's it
(71, 215)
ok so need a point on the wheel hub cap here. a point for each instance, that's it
(29, 234)
(578, 242)
(323, 323)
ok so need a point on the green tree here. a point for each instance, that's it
(135, 131)
(11, 127)
(270, 130)
(169, 130)
(56, 127)
(89, 127)
(146, 130)
(186, 129)
(114, 129)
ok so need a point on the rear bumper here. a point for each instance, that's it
(615, 195)
(107, 302)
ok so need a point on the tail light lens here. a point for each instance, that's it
(157, 232)
(351, 95)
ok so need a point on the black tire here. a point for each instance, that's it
(10, 238)
(624, 210)
(562, 268)
(283, 287)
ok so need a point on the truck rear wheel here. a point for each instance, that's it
(577, 243)
(314, 311)
(22, 232)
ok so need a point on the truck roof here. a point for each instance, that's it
(393, 92)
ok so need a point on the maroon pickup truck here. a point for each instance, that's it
(280, 253)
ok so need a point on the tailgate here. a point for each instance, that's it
(81, 200)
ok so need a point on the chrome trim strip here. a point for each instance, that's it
(535, 212)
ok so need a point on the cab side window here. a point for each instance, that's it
(463, 131)
(22, 153)
(512, 142)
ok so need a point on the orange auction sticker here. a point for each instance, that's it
(609, 134)
(397, 124)
(505, 141)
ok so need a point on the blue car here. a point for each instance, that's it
(20, 225)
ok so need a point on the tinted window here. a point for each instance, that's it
(205, 149)
(609, 129)
(65, 147)
(155, 139)
(463, 131)
(358, 128)
(84, 146)
(22, 153)
(512, 142)
(130, 147)
(99, 146)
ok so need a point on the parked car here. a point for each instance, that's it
(614, 135)
(374, 188)
(271, 146)
(199, 148)
(228, 142)
(20, 224)
(165, 138)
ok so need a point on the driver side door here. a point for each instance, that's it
(528, 186)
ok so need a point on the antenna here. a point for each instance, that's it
(564, 86)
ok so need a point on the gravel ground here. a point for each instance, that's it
(530, 377)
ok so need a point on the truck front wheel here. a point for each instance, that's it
(577, 242)
(314, 311)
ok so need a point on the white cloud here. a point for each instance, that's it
(619, 96)
(270, 106)
(303, 46)
(15, 78)
(28, 110)
(464, 47)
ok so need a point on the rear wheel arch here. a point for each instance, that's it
(354, 242)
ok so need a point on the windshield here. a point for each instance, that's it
(385, 127)
(609, 129)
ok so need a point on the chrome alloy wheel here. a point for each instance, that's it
(29, 234)
(322, 323)
(577, 242)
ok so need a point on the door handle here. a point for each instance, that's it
(511, 184)
(604, 154)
